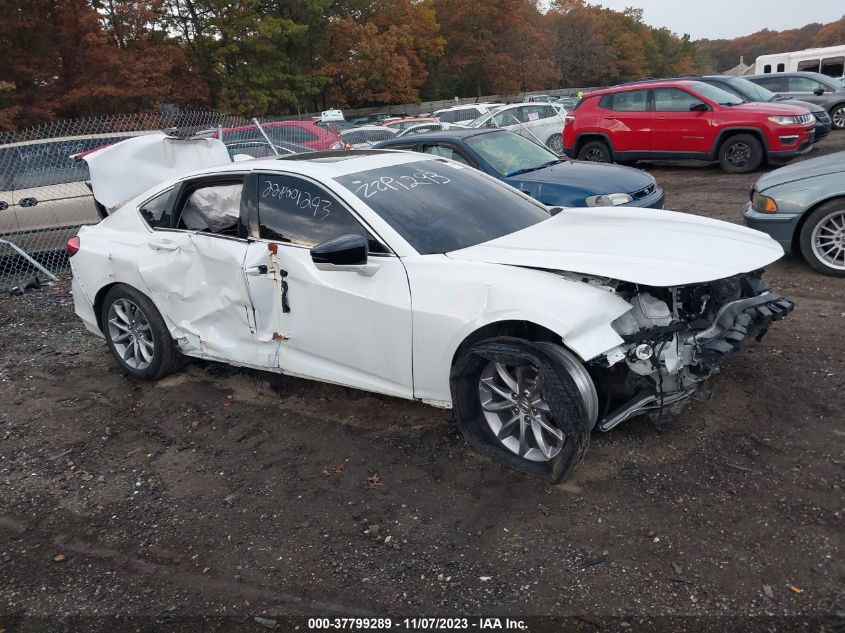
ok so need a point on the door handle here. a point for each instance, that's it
(255, 271)
(164, 245)
(660, 118)
(28, 202)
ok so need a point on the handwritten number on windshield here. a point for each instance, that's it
(406, 183)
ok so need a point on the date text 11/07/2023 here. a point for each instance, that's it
(417, 624)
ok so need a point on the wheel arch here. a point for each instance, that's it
(585, 137)
(99, 298)
(519, 328)
(725, 134)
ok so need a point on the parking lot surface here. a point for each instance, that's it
(220, 491)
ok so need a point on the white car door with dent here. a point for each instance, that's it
(346, 327)
(197, 279)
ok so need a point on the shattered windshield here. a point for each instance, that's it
(440, 207)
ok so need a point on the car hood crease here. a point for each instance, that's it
(643, 246)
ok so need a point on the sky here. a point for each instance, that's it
(715, 19)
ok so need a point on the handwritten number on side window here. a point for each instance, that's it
(321, 209)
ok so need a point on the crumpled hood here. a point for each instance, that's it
(593, 178)
(644, 246)
(819, 166)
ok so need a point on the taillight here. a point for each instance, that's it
(568, 119)
(72, 246)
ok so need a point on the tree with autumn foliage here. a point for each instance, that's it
(380, 55)
(72, 58)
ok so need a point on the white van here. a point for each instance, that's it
(828, 61)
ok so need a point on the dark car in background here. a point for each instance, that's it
(802, 206)
(822, 90)
(537, 171)
(750, 92)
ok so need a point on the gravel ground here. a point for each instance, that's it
(234, 493)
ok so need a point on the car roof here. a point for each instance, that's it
(452, 134)
(325, 165)
(646, 84)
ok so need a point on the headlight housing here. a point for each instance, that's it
(784, 120)
(608, 200)
(762, 203)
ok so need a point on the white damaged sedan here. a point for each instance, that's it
(417, 277)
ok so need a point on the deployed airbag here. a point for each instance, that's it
(213, 209)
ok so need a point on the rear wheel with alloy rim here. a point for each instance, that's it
(137, 335)
(837, 116)
(595, 152)
(822, 238)
(529, 406)
(740, 154)
(555, 143)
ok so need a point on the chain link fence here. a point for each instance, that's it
(45, 196)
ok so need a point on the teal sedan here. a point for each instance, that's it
(802, 206)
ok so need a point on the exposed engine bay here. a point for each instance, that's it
(674, 339)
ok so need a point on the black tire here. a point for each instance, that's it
(837, 113)
(555, 143)
(567, 408)
(740, 154)
(595, 152)
(166, 357)
(821, 216)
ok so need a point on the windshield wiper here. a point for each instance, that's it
(525, 170)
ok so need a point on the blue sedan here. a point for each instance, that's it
(534, 169)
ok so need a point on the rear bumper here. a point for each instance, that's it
(780, 226)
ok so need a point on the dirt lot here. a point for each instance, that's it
(225, 492)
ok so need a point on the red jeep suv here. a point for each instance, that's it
(658, 120)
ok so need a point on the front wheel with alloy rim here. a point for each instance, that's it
(137, 335)
(528, 405)
(837, 116)
(822, 238)
(740, 154)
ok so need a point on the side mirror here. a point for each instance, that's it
(699, 107)
(818, 91)
(344, 252)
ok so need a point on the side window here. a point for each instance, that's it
(506, 117)
(833, 66)
(445, 152)
(802, 84)
(772, 83)
(157, 211)
(300, 212)
(214, 208)
(633, 101)
(781, 68)
(547, 111)
(767, 68)
(532, 113)
(811, 65)
(673, 100)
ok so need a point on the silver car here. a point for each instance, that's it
(43, 192)
(822, 90)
